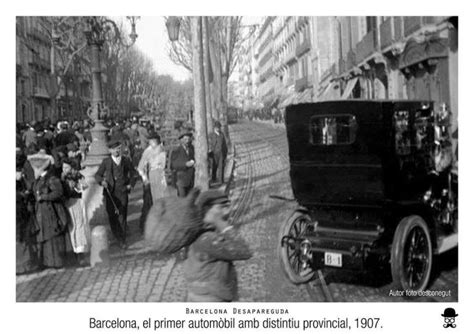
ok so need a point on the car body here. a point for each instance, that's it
(375, 186)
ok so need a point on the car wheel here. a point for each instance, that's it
(292, 259)
(412, 256)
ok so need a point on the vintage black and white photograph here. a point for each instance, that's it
(237, 159)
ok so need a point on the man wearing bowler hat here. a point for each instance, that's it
(217, 153)
(115, 174)
(182, 162)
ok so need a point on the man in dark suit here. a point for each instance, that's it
(115, 174)
(182, 162)
(217, 153)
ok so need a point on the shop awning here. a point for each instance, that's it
(349, 88)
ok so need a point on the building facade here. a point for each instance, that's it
(38, 68)
(389, 57)
(358, 57)
(264, 60)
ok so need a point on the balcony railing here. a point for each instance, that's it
(386, 33)
(303, 47)
(411, 24)
(290, 58)
(265, 58)
(365, 47)
(301, 84)
(302, 20)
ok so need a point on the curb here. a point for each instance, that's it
(229, 171)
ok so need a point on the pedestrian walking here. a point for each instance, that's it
(79, 231)
(152, 171)
(29, 136)
(217, 153)
(142, 135)
(182, 162)
(51, 215)
(115, 174)
(152, 167)
(209, 269)
(26, 227)
(65, 135)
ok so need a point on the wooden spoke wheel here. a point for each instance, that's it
(292, 260)
(412, 254)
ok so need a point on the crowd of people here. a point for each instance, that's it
(52, 225)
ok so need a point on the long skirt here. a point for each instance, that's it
(79, 229)
(157, 184)
(26, 260)
(52, 252)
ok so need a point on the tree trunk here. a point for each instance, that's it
(225, 78)
(201, 147)
(225, 119)
(207, 70)
(216, 84)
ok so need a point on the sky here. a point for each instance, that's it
(153, 41)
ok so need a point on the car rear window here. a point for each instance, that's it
(332, 130)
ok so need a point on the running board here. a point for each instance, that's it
(447, 243)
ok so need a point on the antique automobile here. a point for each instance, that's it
(376, 187)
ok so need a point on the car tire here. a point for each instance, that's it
(288, 255)
(412, 254)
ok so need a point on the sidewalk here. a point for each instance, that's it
(134, 275)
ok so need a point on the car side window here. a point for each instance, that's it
(332, 130)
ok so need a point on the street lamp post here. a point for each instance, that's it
(97, 32)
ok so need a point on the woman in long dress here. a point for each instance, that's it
(79, 230)
(152, 167)
(152, 171)
(26, 227)
(51, 215)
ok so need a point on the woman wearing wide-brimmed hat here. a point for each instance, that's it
(51, 215)
(152, 167)
(79, 231)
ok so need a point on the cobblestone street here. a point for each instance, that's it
(261, 170)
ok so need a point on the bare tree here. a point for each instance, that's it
(225, 39)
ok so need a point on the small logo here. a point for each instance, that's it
(449, 317)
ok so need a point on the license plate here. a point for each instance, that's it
(333, 259)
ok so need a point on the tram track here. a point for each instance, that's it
(245, 195)
(317, 289)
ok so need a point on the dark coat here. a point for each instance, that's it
(64, 138)
(218, 145)
(105, 172)
(184, 174)
(51, 215)
(209, 268)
